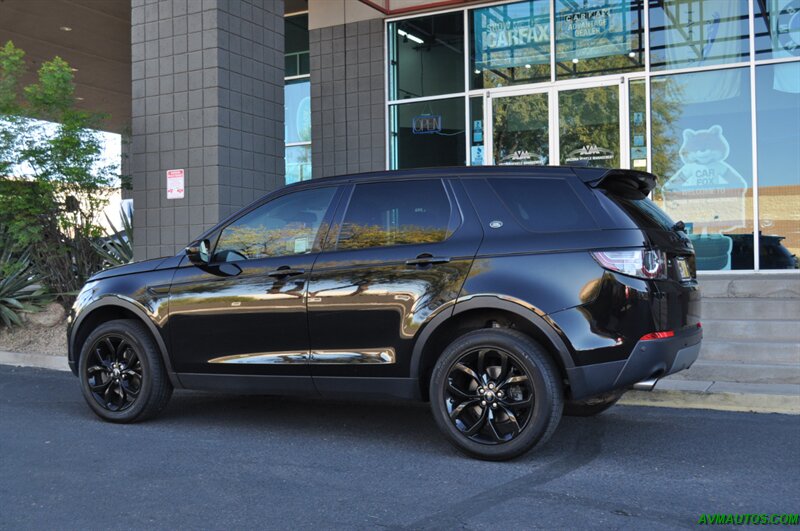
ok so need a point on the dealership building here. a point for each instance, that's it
(247, 96)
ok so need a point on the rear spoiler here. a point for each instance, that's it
(633, 184)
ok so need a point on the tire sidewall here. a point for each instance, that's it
(535, 368)
(143, 346)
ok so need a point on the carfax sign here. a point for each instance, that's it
(518, 35)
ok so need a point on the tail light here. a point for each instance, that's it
(641, 263)
(657, 335)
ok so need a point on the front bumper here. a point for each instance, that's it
(649, 359)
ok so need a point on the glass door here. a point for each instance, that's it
(575, 124)
(589, 126)
(520, 133)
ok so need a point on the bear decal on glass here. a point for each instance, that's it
(706, 189)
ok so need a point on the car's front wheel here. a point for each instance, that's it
(122, 375)
(496, 393)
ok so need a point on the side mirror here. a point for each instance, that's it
(198, 253)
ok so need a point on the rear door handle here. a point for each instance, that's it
(286, 271)
(425, 259)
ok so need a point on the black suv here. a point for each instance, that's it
(504, 296)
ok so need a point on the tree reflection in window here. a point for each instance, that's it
(284, 226)
(396, 213)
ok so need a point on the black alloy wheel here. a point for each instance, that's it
(496, 393)
(114, 372)
(122, 374)
(489, 396)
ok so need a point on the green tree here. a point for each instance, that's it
(52, 182)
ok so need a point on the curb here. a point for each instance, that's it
(41, 361)
(688, 394)
(721, 396)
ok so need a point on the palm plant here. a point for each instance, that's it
(20, 288)
(117, 247)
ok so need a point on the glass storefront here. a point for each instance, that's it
(598, 37)
(427, 134)
(297, 99)
(681, 88)
(777, 119)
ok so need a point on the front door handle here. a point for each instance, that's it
(286, 271)
(426, 259)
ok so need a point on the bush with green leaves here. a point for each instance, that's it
(116, 248)
(20, 287)
(53, 184)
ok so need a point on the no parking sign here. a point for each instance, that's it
(175, 184)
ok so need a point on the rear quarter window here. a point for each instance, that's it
(544, 205)
(644, 212)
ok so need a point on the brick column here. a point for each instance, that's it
(207, 98)
(347, 98)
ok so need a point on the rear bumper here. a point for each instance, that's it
(649, 359)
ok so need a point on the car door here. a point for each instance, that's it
(398, 252)
(253, 322)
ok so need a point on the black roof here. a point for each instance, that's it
(458, 171)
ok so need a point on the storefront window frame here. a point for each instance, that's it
(647, 74)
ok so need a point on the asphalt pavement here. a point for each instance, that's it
(233, 462)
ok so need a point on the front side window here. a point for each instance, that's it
(395, 213)
(285, 226)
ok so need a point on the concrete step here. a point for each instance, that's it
(749, 285)
(749, 308)
(720, 371)
(753, 351)
(783, 331)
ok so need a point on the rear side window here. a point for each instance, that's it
(395, 213)
(544, 205)
(644, 212)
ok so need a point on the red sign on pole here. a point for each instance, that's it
(175, 184)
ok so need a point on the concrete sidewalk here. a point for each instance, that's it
(693, 394)
(723, 396)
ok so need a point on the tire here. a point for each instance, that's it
(122, 374)
(509, 428)
(595, 405)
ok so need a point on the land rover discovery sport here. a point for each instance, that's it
(504, 296)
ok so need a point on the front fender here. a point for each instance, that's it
(130, 306)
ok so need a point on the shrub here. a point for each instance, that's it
(20, 288)
(51, 205)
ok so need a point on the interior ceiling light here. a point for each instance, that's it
(65, 28)
(527, 66)
(632, 54)
(575, 61)
(477, 71)
(410, 36)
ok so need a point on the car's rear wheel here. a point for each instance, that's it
(122, 375)
(590, 407)
(496, 394)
